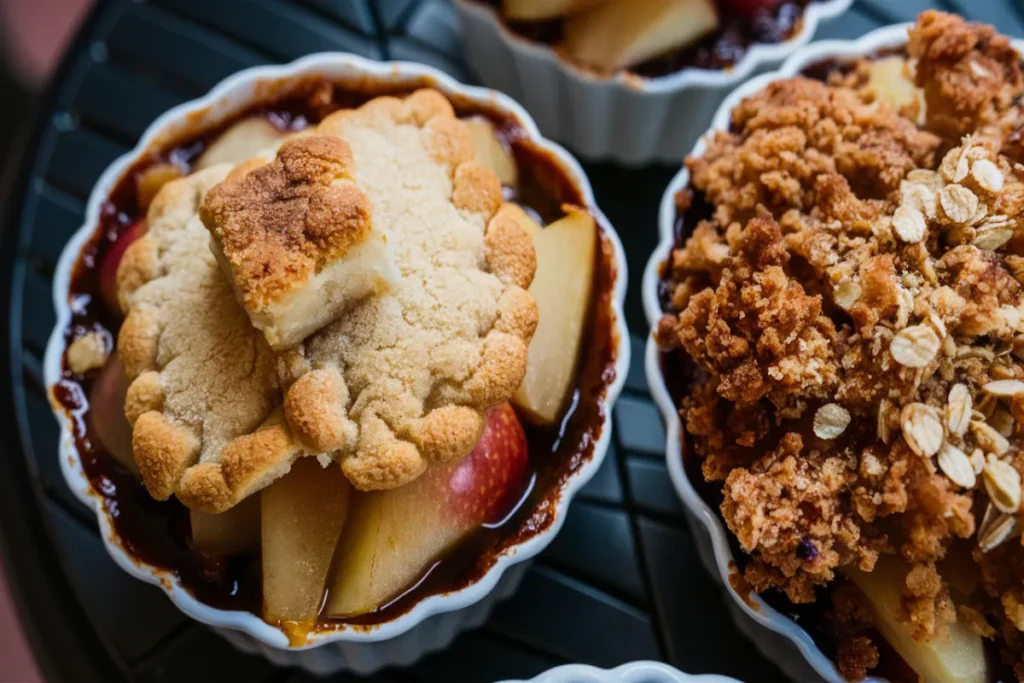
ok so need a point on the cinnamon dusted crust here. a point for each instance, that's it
(295, 236)
(406, 376)
(856, 298)
(202, 386)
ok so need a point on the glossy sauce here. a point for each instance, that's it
(721, 49)
(681, 374)
(159, 534)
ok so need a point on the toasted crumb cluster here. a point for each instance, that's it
(405, 377)
(855, 298)
(203, 387)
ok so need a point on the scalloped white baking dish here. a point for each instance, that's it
(432, 623)
(635, 672)
(622, 117)
(777, 636)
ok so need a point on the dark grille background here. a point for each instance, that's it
(621, 582)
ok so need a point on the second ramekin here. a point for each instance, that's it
(434, 622)
(776, 636)
(624, 117)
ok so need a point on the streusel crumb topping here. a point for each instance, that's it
(856, 301)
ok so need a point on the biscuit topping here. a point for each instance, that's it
(404, 378)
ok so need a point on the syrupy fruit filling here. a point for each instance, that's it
(741, 25)
(161, 533)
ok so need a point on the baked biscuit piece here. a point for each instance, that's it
(405, 377)
(203, 388)
(295, 238)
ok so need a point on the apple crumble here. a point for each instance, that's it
(854, 299)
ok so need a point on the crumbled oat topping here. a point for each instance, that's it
(856, 298)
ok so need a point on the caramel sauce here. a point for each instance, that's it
(159, 534)
(721, 49)
(681, 374)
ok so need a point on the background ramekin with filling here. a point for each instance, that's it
(432, 618)
(623, 117)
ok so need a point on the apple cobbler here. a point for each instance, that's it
(851, 296)
(325, 361)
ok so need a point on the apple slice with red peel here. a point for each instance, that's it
(959, 657)
(614, 35)
(112, 259)
(395, 536)
(748, 7)
(302, 514)
(106, 412)
(561, 287)
(234, 532)
(490, 152)
(542, 10)
(240, 141)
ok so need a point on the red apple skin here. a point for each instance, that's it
(748, 7)
(486, 483)
(106, 412)
(112, 259)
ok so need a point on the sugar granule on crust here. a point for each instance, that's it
(860, 266)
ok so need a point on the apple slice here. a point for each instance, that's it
(490, 152)
(151, 180)
(959, 657)
(892, 85)
(395, 536)
(561, 288)
(541, 10)
(106, 412)
(112, 259)
(240, 142)
(302, 515)
(234, 532)
(615, 35)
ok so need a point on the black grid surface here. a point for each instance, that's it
(621, 582)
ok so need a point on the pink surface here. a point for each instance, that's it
(16, 665)
(36, 33)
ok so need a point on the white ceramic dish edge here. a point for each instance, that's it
(448, 613)
(634, 672)
(795, 649)
(624, 117)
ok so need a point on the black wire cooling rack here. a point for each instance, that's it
(621, 582)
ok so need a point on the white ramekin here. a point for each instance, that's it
(623, 117)
(433, 622)
(635, 672)
(777, 636)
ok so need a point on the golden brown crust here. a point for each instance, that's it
(509, 250)
(414, 369)
(853, 296)
(247, 464)
(200, 376)
(281, 222)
